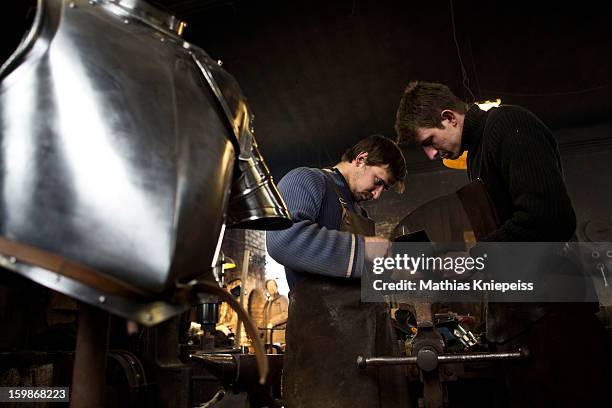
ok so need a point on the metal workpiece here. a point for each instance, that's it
(120, 166)
(143, 12)
(229, 98)
(521, 354)
(255, 202)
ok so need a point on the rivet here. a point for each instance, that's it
(126, 21)
(102, 299)
(72, 5)
(219, 62)
(12, 259)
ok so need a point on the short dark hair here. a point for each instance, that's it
(381, 151)
(420, 107)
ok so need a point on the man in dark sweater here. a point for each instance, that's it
(517, 158)
(324, 255)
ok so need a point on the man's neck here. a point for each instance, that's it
(473, 126)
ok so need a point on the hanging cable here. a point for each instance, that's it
(474, 70)
(465, 78)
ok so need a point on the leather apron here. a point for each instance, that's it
(328, 327)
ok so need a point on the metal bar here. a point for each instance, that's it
(476, 357)
(363, 362)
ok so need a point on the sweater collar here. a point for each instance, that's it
(473, 127)
(342, 179)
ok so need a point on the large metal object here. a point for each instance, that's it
(120, 146)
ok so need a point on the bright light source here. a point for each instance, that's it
(461, 162)
(486, 105)
(228, 263)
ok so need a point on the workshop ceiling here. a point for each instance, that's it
(320, 75)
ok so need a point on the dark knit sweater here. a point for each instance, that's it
(518, 159)
(313, 244)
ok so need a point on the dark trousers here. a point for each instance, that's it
(570, 364)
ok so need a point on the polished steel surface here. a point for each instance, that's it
(148, 14)
(117, 152)
(255, 202)
(147, 312)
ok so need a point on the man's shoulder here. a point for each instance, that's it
(304, 174)
(512, 122)
(511, 113)
(303, 179)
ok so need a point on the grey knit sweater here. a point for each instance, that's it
(313, 245)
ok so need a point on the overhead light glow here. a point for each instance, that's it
(460, 163)
(486, 105)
